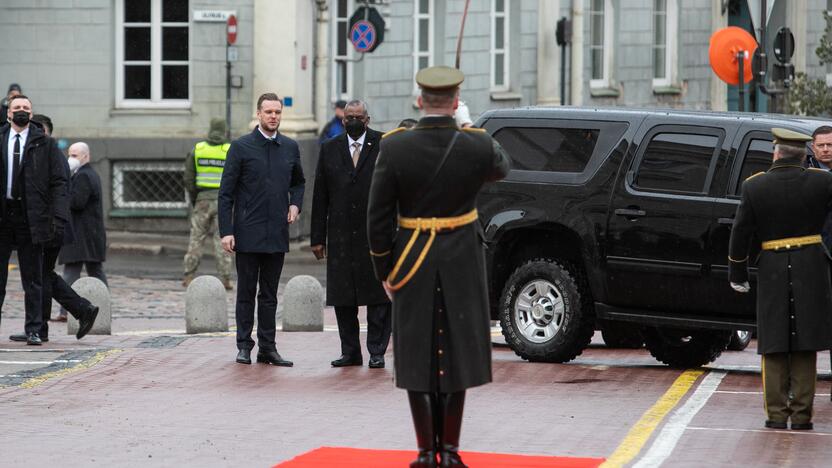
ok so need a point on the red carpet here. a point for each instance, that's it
(330, 457)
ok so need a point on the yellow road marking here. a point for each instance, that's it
(640, 433)
(98, 357)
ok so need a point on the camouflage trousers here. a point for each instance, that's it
(203, 224)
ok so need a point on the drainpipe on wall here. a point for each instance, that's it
(322, 63)
(576, 69)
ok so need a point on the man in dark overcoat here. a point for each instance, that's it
(785, 208)
(434, 267)
(261, 193)
(339, 233)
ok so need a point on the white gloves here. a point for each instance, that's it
(741, 287)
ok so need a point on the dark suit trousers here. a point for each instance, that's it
(378, 329)
(14, 233)
(255, 269)
(55, 287)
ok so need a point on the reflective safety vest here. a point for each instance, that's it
(210, 161)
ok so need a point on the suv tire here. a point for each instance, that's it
(622, 335)
(686, 348)
(545, 314)
(739, 340)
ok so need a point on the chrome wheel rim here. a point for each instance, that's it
(539, 311)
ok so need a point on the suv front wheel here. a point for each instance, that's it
(544, 313)
(683, 348)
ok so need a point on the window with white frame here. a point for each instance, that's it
(148, 185)
(342, 49)
(423, 37)
(665, 31)
(601, 17)
(500, 45)
(152, 53)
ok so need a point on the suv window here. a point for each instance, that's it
(676, 162)
(548, 149)
(758, 158)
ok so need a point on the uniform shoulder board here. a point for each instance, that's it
(755, 175)
(817, 169)
(474, 130)
(393, 132)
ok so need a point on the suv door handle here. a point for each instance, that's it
(630, 213)
(726, 221)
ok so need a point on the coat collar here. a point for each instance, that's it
(437, 121)
(785, 163)
(258, 137)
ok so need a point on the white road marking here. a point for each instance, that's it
(764, 431)
(667, 439)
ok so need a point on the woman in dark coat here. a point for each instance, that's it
(90, 245)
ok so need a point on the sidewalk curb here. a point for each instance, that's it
(123, 247)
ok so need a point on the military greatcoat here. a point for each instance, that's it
(441, 332)
(788, 201)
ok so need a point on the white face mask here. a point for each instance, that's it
(74, 164)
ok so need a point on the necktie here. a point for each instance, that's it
(16, 168)
(356, 152)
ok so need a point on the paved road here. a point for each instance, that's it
(148, 395)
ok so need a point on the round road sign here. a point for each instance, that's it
(363, 36)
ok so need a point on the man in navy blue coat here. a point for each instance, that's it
(261, 192)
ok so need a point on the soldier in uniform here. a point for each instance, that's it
(785, 208)
(434, 267)
(203, 171)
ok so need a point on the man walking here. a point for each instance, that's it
(434, 267)
(335, 126)
(53, 285)
(785, 209)
(203, 172)
(339, 233)
(261, 193)
(88, 249)
(34, 208)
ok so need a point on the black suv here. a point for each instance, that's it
(619, 219)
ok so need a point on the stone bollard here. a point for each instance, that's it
(95, 291)
(205, 306)
(303, 304)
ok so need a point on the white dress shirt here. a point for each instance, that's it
(10, 159)
(360, 142)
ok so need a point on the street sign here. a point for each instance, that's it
(212, 16)
(233, 54)
(366, 29)
(232, 29)
(784, 45)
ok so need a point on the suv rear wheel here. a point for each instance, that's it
(545, 314)
(685, 348)
(739, 340)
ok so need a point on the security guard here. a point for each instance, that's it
(203, 171)
(434, 267)
(785, 208)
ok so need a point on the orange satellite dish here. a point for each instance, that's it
(725, 45)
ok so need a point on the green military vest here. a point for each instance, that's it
(210, 161)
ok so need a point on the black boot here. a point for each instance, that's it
(422, 412)
(452, 406)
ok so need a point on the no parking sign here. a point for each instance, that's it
(366, 29)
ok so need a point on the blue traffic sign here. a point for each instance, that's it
(363, 36)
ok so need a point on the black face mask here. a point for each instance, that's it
(20, 118)
(355, 128)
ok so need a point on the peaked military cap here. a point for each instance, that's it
(439, 78)
(786, 137)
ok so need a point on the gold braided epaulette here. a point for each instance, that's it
(393, 132)
(474, 130)
(817, 169)
(755, 175)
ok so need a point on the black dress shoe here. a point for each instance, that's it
(86, 322)
(807, 426)
(426, 459)
(273, 358)
(244, 356)
(33, 339)
(377, 362)
(776, 424)
(23, 337)
(345, 361)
